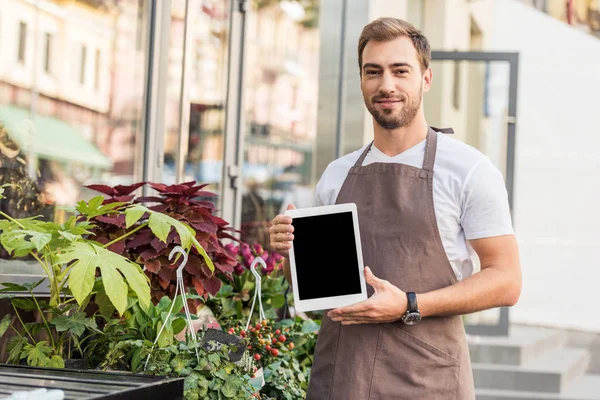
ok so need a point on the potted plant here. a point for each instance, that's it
(76, 267)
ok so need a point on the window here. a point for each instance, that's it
(22, 42)
(83, 60)
(48, 38)
(97, 70)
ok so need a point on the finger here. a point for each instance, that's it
(281, 228)
(281, 219)
(373, 281)
(291, 207)
(355, 309)
(282, 237)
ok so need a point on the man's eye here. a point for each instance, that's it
(401, 71)
(371, 72)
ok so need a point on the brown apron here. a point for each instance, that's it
(401, 243)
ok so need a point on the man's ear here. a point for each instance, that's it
(427, 79)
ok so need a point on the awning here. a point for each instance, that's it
(51, 138)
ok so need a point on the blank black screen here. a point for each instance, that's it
(325, 256)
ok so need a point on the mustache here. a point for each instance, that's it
(383, 97)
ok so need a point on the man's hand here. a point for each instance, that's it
(387, 304)
(280, 233)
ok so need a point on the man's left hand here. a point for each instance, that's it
(387, 304)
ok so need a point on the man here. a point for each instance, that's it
(425, 201)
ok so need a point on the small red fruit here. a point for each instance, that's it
(268, 348)
(258, 326)
(249, 347)
(281, 338)
(291, 345)
(274, 341)
(257, 357)
(277, 332)
(275, 352)
(243, 333)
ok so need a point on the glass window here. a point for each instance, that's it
(82, 62)
(22, 42)
(280, 108)
(57, 136)
(48, 52)
(97, 70)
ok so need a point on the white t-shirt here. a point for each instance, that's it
(469, 194)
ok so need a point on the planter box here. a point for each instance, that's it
(89, 384)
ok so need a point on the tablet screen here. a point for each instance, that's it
(325, 256)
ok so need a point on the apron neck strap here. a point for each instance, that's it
(361, 159)
(430, 150)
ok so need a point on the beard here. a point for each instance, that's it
(394, 119)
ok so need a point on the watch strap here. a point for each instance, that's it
(412, 302)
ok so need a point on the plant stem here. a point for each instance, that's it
(8, 217)
(39, 260)
(125, 235)
(22, 323)
(43, 318)
(17, 332)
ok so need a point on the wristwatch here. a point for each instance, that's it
(412, 316)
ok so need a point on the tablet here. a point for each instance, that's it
(326, 257)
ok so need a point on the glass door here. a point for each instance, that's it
(280, 96)
(197, 92)
(476, 94)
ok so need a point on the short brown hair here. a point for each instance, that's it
(386, 29)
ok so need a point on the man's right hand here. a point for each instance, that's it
(281, 233)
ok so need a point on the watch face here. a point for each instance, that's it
(412, 318)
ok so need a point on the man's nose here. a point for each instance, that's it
(387, 84)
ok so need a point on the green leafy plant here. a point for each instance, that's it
(79, 268)
(210, 376)
(175, 205)
(232, 303)
(48, 342)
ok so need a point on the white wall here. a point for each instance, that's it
(557, 177)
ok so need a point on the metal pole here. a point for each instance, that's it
(339, 134)
(184, 106)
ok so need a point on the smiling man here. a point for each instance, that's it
(425, 203)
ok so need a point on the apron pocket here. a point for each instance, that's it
(406, 367)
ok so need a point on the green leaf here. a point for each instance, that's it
(4, 324)
(191, 381)
(133, 215)
(23, 240)
(24, 304)
(30, 286)
(88, 257)
(166, 336)
(136, 359)
(214, 359)
(75, 323)
(6, 295)
(15, 348)
(177, 325)
(229, 390)
(277, 301)
(104, 305)
(56, 362)
(161, 224)
(94, 207)
(200, 249)
(164, 304)
(13, 287)
(310, 326)
(36, 355)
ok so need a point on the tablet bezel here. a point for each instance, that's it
(325, 303)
